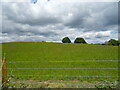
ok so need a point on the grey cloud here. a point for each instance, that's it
(53, 21)
(25, 14)
(100, 36)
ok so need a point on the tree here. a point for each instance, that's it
(112, 42)
(43, 41)
(66, 40)
(80, 40)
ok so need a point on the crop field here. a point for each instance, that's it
(60, 61)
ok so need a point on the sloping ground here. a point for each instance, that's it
(58, 61)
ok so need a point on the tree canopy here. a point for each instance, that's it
(66, 40)
(80, 40)
(112, 42)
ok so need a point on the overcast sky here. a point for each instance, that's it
(49, 21)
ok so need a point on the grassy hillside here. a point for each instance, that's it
(58, 61)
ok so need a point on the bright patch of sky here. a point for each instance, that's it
(33, 1)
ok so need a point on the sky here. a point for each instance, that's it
(33, 1)
(51, 21)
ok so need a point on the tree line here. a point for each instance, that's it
(82, 40)
(77, 40)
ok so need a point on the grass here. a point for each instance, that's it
(44, 55)
(60, 84)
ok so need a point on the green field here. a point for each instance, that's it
(60, 61)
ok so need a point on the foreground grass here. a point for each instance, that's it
(58, 61)
(59, 84)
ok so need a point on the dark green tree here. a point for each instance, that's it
(112, 42)
(80, 40)
(66, 40)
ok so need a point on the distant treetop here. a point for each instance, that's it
(112, 42)
(80, 40)
(66, 40)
